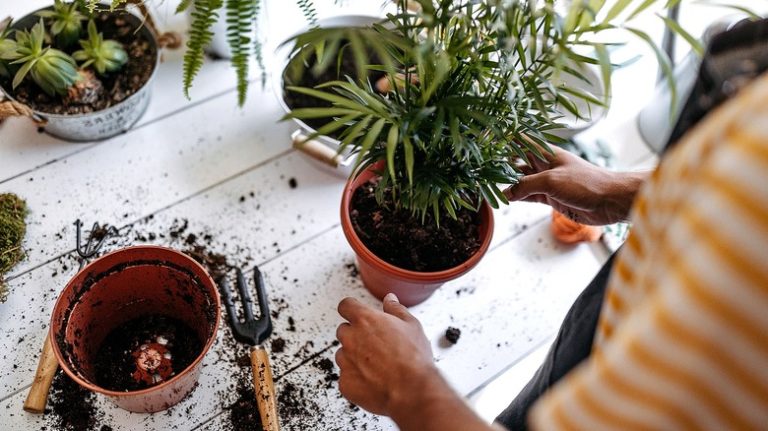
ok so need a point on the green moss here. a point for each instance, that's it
(13, 210)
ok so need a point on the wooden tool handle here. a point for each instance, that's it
(317, 150)
(265, 389)
(46, 369)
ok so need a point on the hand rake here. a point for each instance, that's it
(253, 332)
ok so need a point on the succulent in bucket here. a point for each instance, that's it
(65, 22)
(52, 70)
(104, 55)
(6, 45)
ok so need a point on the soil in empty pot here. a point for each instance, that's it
(98, 92)
(307, 78)
(399, 238)
(144, 352)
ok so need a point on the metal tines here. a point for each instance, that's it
(251, 330)
(96, 237)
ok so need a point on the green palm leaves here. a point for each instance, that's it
(104, 55)
(473, 84)
(52, 70)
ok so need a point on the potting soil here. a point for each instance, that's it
(399, 238)
(144, 352)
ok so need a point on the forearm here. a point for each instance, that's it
(625, 188)
(430, 404)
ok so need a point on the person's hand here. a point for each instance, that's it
(583, 192)
(384, 355)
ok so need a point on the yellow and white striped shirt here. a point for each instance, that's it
(682, 341)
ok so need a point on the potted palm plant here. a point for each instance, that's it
(85, 73)
(470, 87)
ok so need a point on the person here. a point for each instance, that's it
(673, 332)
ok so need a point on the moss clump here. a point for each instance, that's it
(13, 210)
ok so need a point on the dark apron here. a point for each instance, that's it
(733, 59)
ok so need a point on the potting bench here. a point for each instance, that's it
(232, 177)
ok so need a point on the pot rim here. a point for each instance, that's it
(283, 57)
(44, 115)
(486, 213)
(95, 388)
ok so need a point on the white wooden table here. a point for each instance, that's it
(226, 171)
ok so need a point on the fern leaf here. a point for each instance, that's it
(257, 46)
(240, 17)
(308, 9)
(183, 5)
(200, 34)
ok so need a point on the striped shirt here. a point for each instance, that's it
(682, 340)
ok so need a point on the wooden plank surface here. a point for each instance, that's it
(225, 172)
(503, 315)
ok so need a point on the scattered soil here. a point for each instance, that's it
(326, 366)
(244, 413)
(452, 334)
(71, 407)
(277, 345)
(398, 238)
(300, 394)
(352, 270)
(145, 352)
(300, 75)
(99, 92)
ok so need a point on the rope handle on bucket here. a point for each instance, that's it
(12, 108)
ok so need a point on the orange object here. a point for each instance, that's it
(123, 285)
(568, 231)
(411, 287)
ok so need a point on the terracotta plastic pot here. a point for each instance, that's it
(411, 287)
(122, 286)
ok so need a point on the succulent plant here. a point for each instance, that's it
(104, 55)
(65, 21)
(52, 70)
(7, 45)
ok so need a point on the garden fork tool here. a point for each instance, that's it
(47, 366)
(253, 332)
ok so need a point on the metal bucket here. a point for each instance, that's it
(101, 124)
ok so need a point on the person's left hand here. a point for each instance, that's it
(384, 357)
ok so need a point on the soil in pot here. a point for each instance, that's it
(304, 77)
(145, 352)
(98, 92)
(399, 238)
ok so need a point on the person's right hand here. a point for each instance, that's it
(580, 190)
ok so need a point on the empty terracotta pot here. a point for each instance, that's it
(411, 287)
(122, 286)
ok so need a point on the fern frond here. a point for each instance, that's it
(257, 47)
(200, 34)
(308, 9)
(240, 17)
(183, 5)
